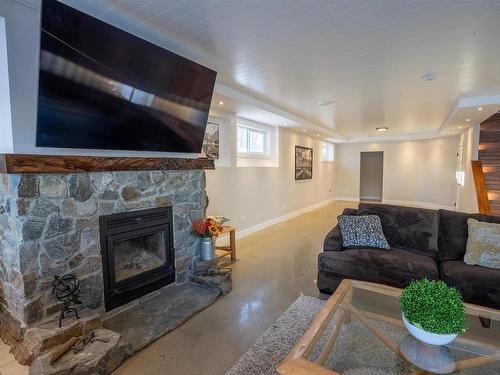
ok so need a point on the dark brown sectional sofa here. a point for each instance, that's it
(424, 243)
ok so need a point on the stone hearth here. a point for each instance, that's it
(49, 225)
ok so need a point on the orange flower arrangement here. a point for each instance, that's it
(206, 228)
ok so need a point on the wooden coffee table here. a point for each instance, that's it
(360, 330)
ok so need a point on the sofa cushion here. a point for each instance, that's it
(362, 231)
(483, 244)
(453, 233)
(478, 285)
(394, 267)
(333, 240)
(409, 228)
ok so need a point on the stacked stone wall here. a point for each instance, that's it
(49, 225)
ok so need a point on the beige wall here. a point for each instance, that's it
(415, 172)
(470, 143)
(251, 196)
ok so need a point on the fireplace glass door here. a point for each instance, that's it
(138, 254)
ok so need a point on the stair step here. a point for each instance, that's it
(489, 154)
(495, 204)
(489, 135)
(490, 145)
(490, 127)
(490, 168)
(489, 160)
(491, 171)
(494, 195)
(491, 120)
(489, 131)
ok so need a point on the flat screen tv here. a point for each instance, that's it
(103, 88)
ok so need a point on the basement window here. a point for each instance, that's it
(252, 141)
(257, 145)
(327, 152)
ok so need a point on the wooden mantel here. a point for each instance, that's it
(19, 163)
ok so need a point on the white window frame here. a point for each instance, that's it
(267, 142)
(330, 145)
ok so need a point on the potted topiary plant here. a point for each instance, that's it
(433, 312)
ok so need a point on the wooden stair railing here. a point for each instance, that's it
(483, 202)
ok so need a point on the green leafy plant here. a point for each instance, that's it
(434, 307)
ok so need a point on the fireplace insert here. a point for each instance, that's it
(137, 254)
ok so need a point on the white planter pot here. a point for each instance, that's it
(428, 337)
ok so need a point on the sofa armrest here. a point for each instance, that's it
(350, 211)
(333, 240)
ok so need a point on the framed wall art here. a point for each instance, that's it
(210, 148)
(303, 163)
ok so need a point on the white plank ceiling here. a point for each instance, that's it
(367, 56)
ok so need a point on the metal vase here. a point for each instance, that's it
(207, 248)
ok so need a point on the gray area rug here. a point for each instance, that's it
(357, 351)
(270, 349)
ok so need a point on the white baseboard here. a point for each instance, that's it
(399, 202)
(280, 219)
(348, 199)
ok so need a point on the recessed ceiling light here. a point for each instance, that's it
(460, 127)
(317, 135)
(221, 103)
(286, 123)
(479, 108)
(467, 119)
(325, 103)
(303, 130)
(382, 129)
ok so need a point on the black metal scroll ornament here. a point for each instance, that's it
(66, 289)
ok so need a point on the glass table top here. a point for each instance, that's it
(360, 331)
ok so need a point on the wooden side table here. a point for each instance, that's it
(222, 251)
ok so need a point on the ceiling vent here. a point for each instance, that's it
(428, 76)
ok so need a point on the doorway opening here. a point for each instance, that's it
(371, 176)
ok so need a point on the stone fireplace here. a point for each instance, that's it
(135, 223)
(137, 254)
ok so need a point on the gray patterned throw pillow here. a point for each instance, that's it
(362, 231)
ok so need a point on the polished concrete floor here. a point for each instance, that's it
(274, 267)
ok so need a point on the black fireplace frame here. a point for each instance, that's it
(128, 225)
